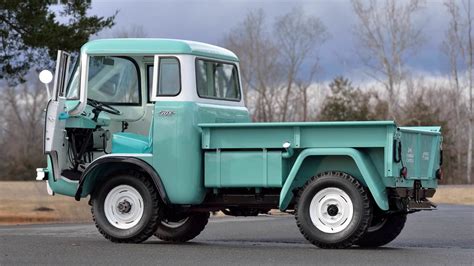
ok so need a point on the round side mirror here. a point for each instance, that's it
(45, 76)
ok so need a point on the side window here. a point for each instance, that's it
(217, 80)
(113, 80)
(169, 79)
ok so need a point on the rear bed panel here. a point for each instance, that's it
(420, 151)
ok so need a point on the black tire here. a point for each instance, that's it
(146, 225)
(361, 210)
(383, 230)
(188, 229)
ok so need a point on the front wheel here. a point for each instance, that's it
(333, 210)
(125, 208)
(181, 227)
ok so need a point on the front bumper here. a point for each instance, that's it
(42, 174)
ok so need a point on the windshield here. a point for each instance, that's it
(113, 80)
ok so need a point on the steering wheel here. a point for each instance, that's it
(100, 106)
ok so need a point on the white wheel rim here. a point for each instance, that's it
(123, 207)
(331, 210)
(172, 224)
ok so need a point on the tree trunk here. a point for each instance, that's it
(305, 104)
(469, 152)
(470, 115)
(287, 96)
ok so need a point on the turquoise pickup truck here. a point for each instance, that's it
(156, 133)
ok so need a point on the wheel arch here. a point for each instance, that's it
(355, 163)
(102, 167)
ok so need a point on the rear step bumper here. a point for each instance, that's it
(423, 205)
(417, 198)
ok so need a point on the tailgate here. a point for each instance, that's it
(420, 151)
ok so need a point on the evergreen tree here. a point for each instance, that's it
(345, 103)
(31, 33)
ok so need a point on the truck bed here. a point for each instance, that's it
(252, 154)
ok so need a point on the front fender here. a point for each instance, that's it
(369, 174)
(97, 167)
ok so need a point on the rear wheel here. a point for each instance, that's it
(333, 210)
(383, 230)
(181, 228)
(125, 208)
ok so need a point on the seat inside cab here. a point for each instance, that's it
(128, 142)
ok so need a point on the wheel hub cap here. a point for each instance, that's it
(123, 207)
(331, 210)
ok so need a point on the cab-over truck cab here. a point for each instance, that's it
(156, 132)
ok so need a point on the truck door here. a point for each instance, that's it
(55, 142)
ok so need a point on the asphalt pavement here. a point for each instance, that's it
(441, 237)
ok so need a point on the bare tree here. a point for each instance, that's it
(453, 48)
(298, 36)
(458, 46)
(258, 62)
(22, 129)
(387, 35)
(468, 11)
(272, 66)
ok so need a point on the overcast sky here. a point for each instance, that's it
(209, 20)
